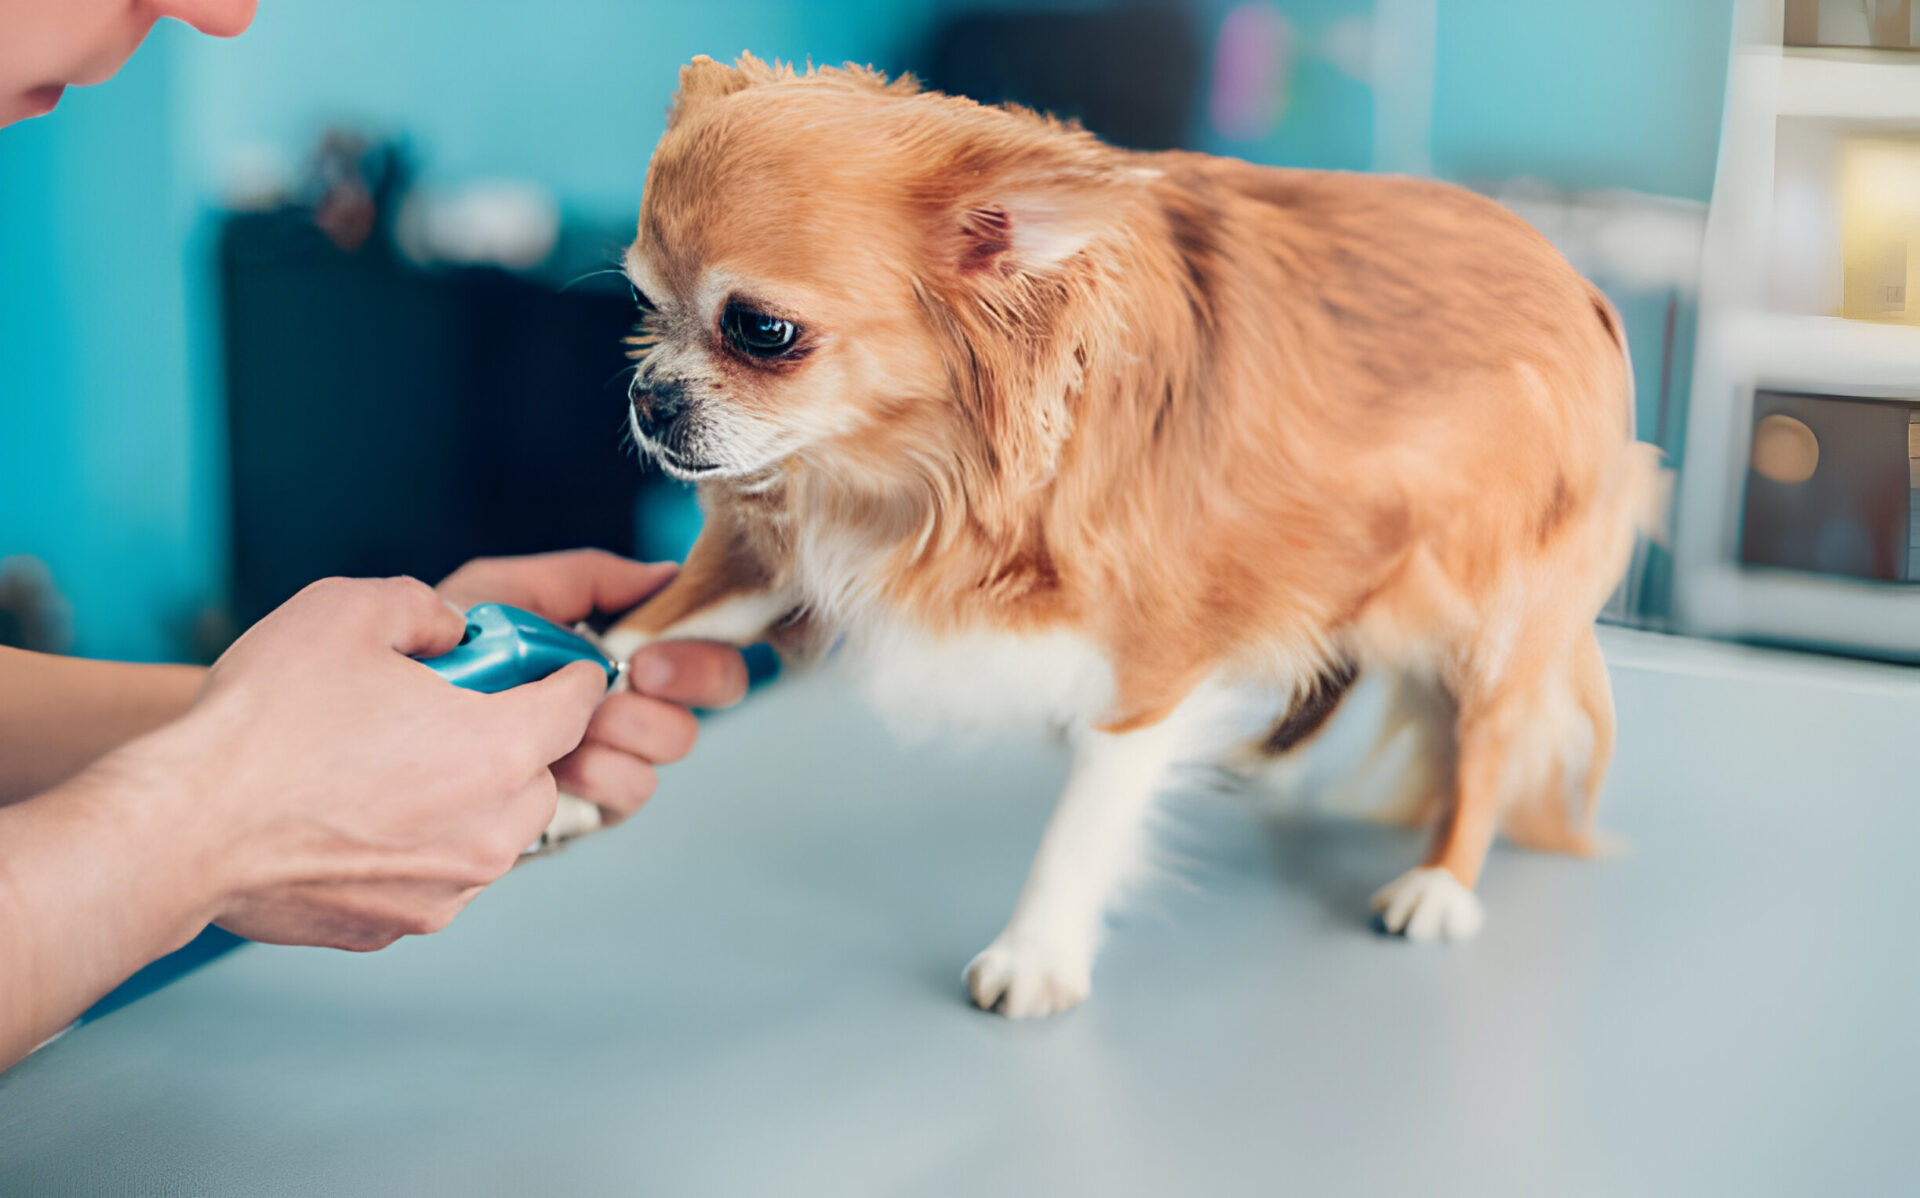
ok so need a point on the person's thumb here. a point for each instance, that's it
(620, 584)
(413, 618)
(549, 717)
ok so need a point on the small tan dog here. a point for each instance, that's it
(1143, 446)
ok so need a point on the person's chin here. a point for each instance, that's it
(38, 101)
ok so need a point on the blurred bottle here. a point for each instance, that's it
(1880, 228)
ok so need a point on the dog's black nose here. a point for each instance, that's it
(658, 405)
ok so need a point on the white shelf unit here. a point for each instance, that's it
(1866, 85)
(1761, 328)
(1794, 352)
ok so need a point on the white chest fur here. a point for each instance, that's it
(922, 684)
(975, 681)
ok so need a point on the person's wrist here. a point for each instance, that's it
(172, 690)
(98, 876)
(154, 796)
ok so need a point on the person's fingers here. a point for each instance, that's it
(617, 782)
(612, 583)
(356, 916)
(563, 587)
(693, 673)
(411, 616)
(648, 728)
(543, 721)
(526, 816)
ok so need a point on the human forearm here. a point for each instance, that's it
(59, 714)
(97, 877)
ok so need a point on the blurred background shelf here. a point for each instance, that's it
(1854, 84)
(1782, 607)
(1827, 351)
(1772, 349)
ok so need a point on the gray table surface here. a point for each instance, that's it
(754, 989)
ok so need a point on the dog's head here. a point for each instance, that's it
(838, 269)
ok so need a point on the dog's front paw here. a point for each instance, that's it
(1429, 904)
(1024, 981)
(573, 818)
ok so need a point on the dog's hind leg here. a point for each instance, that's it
(1555, 813)
(1500, 686)
(1043, 961)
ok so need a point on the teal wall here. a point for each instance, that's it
(1621, 94)
(105, 462)
(110, 439)
(110, 448)
(1613, 94)
(572, 93)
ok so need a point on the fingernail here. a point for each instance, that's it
(652, 672)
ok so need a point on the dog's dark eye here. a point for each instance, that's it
(757, 334)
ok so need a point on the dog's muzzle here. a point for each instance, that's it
(656, 406)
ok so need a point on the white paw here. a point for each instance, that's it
(572, 818)
(1429, 904)
(1023, 981)
(620, 644)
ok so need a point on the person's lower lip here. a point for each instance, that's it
(42, 100)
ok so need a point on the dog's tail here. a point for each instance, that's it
(1645, 481)
(1651, 481)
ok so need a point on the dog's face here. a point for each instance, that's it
(819, 275)
(775, 313)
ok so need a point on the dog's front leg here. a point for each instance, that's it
(723, 593)
(1043, 961)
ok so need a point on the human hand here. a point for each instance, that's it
(633, 731)
(346, 795)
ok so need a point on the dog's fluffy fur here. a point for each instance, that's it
(1134, 444)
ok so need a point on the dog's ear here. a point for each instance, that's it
(704, 80)
(1012, 315)
(1029, 230)
(1017, 293)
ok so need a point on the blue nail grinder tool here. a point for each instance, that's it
(505, 646)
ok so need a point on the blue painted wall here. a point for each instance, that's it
(1614, 94)
(572, 94)
(103, 461)
(110, 438)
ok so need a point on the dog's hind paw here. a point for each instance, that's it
(1429, 904)
(1022, 982)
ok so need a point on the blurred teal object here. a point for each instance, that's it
(505, 646)
(211, 944)
(667, 521)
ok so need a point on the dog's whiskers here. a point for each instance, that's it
(592, 274)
